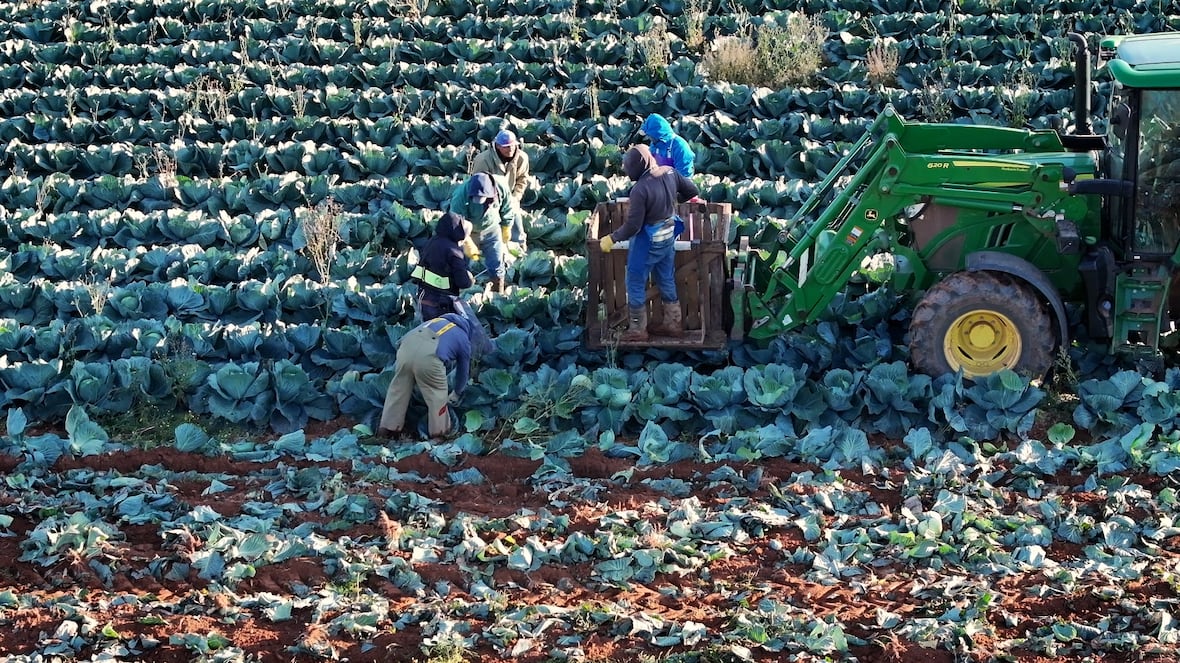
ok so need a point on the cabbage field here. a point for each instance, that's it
(191, 365)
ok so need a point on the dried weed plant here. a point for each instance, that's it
(770, 55)
(592, 92)
(731, 59)
(882, 61)
(655, 46)
(98, 293)
(210, 98)
(934, 103)
(695, 13)
(321, 231)
(165, 167)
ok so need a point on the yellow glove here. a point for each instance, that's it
(504, 233)
(606, 243)
(470, 249)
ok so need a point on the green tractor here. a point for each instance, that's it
(998, 229)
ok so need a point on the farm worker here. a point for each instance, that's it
(652, 226)
(442, 273)
(483, 200)
(424, 357)
(668, 147)
(505, 159)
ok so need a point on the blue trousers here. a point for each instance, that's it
(517, 232)
(655, 259)
(491, 245)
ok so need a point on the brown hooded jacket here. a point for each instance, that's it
(655, 194)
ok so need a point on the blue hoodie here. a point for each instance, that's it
(668, 148)
(454, 345)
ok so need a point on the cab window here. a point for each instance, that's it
(1157, 201)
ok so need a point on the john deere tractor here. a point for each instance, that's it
(998, 230)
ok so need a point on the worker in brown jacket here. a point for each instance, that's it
(652, 227)
(505, 159)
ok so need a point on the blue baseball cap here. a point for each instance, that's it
(505, 138)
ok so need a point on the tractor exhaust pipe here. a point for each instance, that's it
(1081, 94)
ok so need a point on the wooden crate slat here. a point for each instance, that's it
(593, 291)
(618, 265)
(701, 279)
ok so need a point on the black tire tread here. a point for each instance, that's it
(980, 290)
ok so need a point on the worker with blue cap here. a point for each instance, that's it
(506, 160)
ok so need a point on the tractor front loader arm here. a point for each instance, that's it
(795, 271)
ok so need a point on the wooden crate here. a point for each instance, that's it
(701, 274)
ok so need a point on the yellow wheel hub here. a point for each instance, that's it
(981, 343)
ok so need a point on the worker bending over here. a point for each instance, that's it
(424, 357)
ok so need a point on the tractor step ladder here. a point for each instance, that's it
(1139, 310)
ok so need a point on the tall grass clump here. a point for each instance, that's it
(881, 63)
(770, 55)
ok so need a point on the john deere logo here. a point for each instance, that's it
(870, 215)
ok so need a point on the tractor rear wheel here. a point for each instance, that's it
(980, 323)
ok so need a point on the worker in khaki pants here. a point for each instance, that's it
(424, 356)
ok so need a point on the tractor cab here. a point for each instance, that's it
(1143, 141)
(1132, 278)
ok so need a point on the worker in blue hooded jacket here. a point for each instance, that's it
(442, 271)
(667, 146)
(424, 357)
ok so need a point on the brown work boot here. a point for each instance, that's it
(636, 326)
(672, 322)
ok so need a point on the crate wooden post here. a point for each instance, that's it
(701, 279)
